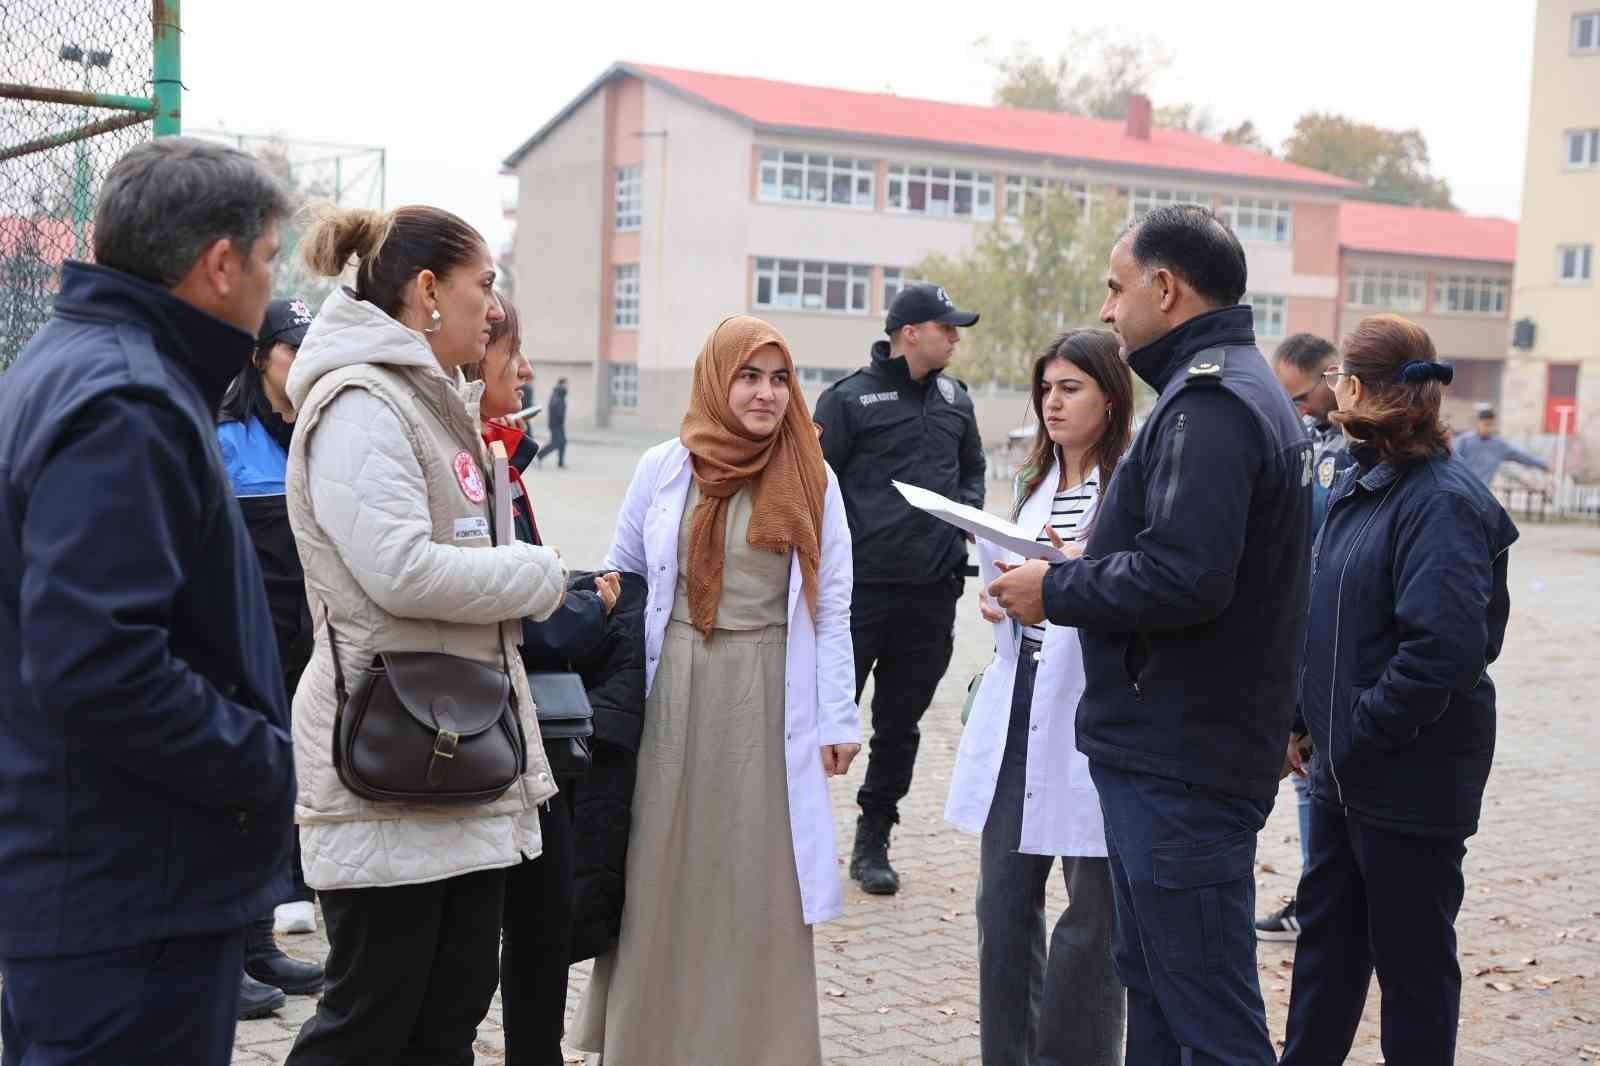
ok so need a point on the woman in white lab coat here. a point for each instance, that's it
(740, 532)
(1019, 779)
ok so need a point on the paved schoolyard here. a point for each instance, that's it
(899, 976)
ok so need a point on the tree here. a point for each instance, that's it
(1031, 279)
(292, 277)
(1093, 76)
(1245, 135)
(1391, 165)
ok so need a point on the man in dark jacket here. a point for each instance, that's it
(901, 419)
(146, 773)
(558, 424)
(1190, 603)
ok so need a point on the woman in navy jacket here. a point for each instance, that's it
(1408, 609)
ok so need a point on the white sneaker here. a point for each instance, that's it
(297, 917)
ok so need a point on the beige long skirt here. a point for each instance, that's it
(714, 964)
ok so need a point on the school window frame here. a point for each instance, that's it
(1021, 189)
(1259, 218)
(1143, 199)
(895, 279)
(622, 386)
(1574, 264)
(940, 192)
(1585, 38)
(1269, 313)
(625, 296)
(812, 286)
(630, 198)
(1582, 149)
(818, 179)
(1471, 294)
(1386, 289)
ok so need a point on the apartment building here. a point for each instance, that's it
(1552, 385)
(660, 201)
(1449, 273)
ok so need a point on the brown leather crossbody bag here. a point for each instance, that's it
(424, 727)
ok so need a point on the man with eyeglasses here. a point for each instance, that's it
(1306, 366)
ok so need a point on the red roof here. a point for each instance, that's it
(879, 116)
(1392, 230)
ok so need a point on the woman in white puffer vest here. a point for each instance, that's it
(388, 487)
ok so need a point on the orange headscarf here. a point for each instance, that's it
(785, 471)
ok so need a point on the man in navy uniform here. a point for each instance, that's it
(901, 418)
(1190, 603)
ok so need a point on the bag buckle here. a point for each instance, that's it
(445, 744)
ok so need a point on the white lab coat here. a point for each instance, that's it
(819, 668)
(1061, 811)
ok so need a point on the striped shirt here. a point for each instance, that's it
(1067, 512)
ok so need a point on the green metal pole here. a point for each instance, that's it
(167, 74)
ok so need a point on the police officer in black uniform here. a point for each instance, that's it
(901, 418)
(1190, 602)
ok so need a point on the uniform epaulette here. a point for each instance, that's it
(1207, 366)
(854, 373)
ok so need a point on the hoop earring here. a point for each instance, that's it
(437, 324)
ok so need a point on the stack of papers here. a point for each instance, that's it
(981, 524)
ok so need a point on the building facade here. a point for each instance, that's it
(1553, 370)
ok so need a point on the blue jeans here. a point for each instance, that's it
(1036, 1009)
(1183, 865)
(1303, 810)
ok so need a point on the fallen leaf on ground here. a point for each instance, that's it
(836, 993)
(1498, 986)
(948, 1012)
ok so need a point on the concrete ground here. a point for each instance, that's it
(898, 977)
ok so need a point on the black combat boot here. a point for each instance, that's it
(869, 862)
(257, 1000)
(264, 962)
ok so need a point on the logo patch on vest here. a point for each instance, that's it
(1325, 472)
(879, 397)
(947, 389)
(470, 478)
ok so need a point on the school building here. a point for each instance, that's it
(659, 201)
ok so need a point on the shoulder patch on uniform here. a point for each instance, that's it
(1326, 470)
(946, 389)
(1208, 364)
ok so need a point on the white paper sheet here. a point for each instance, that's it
(981, 524)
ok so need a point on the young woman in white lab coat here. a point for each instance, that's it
(1019, 779)
(739, 531)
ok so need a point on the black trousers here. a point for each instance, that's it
(1373, 899)
(557, 444)
(411, 972)
(903, 637)
(148, 1005)
(536, 942)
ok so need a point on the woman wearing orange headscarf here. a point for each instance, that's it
(739, 529)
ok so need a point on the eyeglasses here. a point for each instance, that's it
(1332, 375)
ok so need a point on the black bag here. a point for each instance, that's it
(566, 721)
(424, 727)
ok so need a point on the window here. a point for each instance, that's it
(816, 178)
(796, 285)
(630, 197)
(1575, 263)
(1386, 290)
(625, 297)
(1583, 148)
(1020, 190)
(1586, 32)
(1477, 379)
(1468, 295)
(1142, 199)
(941, 191)
(1268, 314)
(1258, 220)
(895, 279)
(622, 385)
(817, 377)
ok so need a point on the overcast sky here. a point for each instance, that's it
(451, 88)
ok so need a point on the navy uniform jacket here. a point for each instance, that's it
(1190, 599)
(879, 426)
(1330, 458)
(146, 773)
(1408, 610)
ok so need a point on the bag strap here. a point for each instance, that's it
(342, 693)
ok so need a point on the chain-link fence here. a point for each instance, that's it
(84, 80)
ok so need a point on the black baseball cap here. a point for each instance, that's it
(924, 302)
(286, 323)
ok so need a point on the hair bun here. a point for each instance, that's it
(1419, 371)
